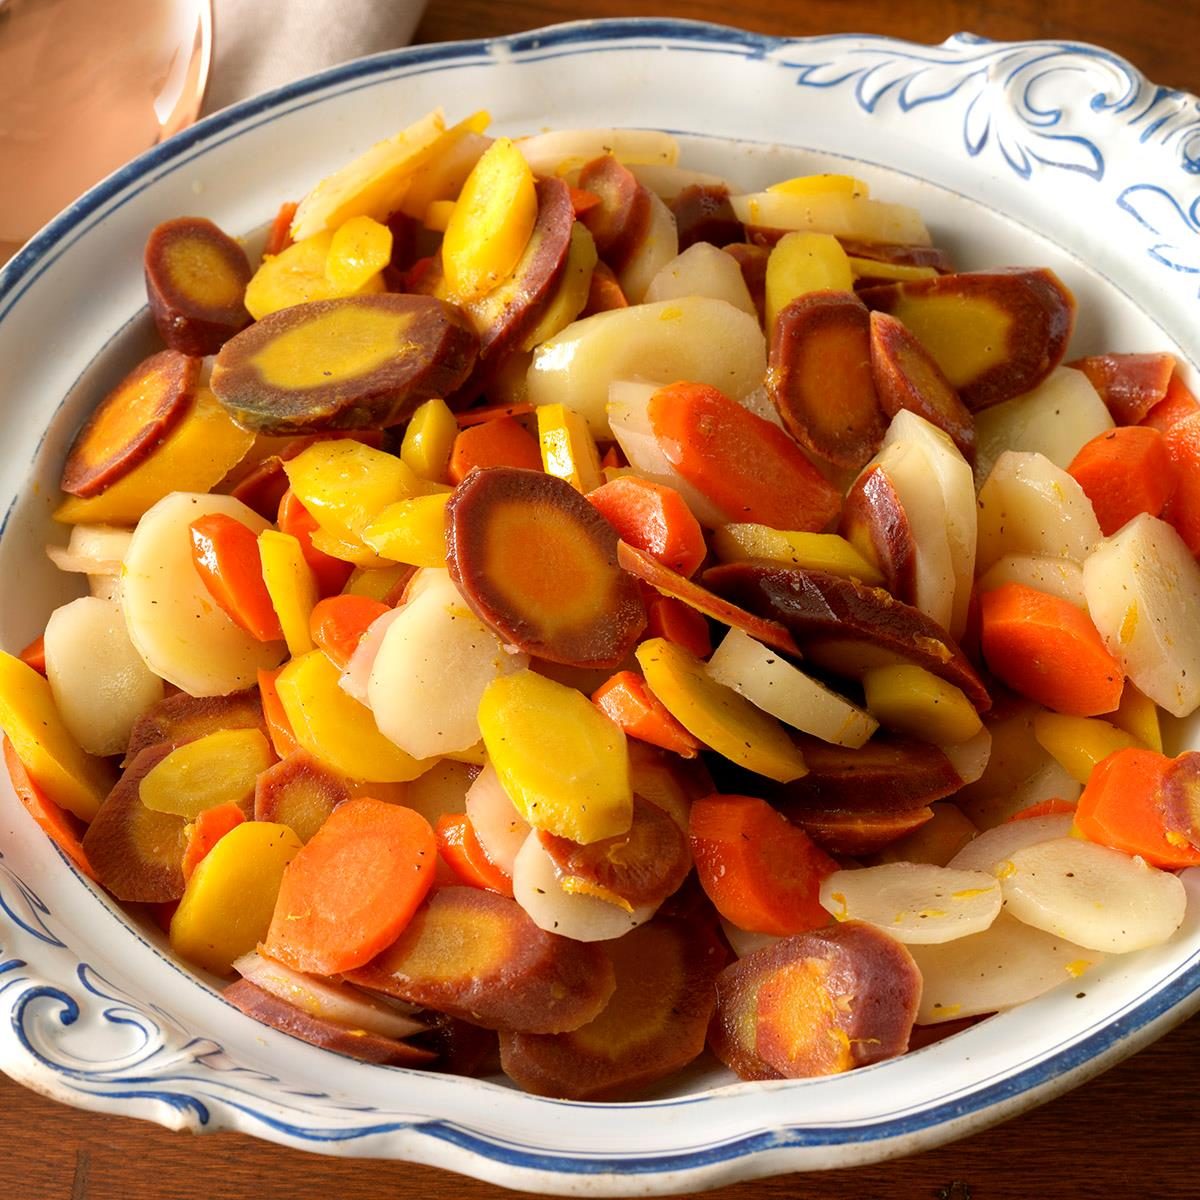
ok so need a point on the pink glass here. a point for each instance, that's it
(85, 85)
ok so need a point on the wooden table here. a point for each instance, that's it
(1129, 1134)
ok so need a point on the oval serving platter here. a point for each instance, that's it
(1038, 152)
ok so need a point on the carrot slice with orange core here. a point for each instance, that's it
(1048, 649)
(353, 888)
(130, 422)
(206, 831)
(338, 623)
(748, 467)
(654, 518)
(503, 442)
(56, 823)
(1124, 472)
(627, 700)
(225, 554)
(460, 848)
(761, 872)
(538, 564)
(1129, 384)
(1123, 807)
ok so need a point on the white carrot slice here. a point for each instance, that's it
(916, 903)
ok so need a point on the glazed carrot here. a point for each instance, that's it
(462, 853)
(1045, 808)
(1124, 472)
(500, 443)
(655, 518)
(34, 655)
(1129, 384)
(163, 913)
(1121, 807)
(331, 573)
(280, 236)
(338, 623)
(1176, 405)
(626, 700)
(58, 825)
(582, 200)
(225, 554)
(669, 618)
(263, 487)
(750, 469)
(604, 292)
(279, 729)
(1049, 650)
(1182, 442)
(492, 412)
(206, 831)
(613, 459)
(349, 893)
(761, 872)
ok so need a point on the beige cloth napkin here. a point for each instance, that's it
(260, 44)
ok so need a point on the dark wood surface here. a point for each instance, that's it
(1131, 1133)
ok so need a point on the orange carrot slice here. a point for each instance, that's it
(460, 848)
(34, 655)
(503, 442)
(279, 728)
(331, 573)
(1124, 472)
(1122, 807)
(1182, 442)
(654, 518)
(625, 699)
(349, 893)
(669, 618)
(280, 236)
(338, 623)
(56, 823)
(760, 871)
(225, 555)
(748, 467)
(206, 831)
(1049, 650)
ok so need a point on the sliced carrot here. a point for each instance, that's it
(225, 554)
(34, 655)
(626, 700)
(504, 442)
(1129, 384)
(493, 412)
(279, 728)
(655, 518)
(349, 893)
(163, 913)
(331, 573)
(582, 200)
(761, 872)
(1124, 472)
(1176, 405)
(263, 487)
(466, 858)
(338, 623)
(1182, 441)
(1121, 807)
(63, 829)
(1045, 808)
(749, 468)
(280, 236)
(669, 618)
(604, 292)
(206, 831)
(1048, 649)
(613, 459)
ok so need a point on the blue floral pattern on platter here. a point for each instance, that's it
(1025, 111)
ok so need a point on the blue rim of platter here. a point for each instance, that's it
(1159, 1003)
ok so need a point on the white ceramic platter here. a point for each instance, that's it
(1034, 153)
